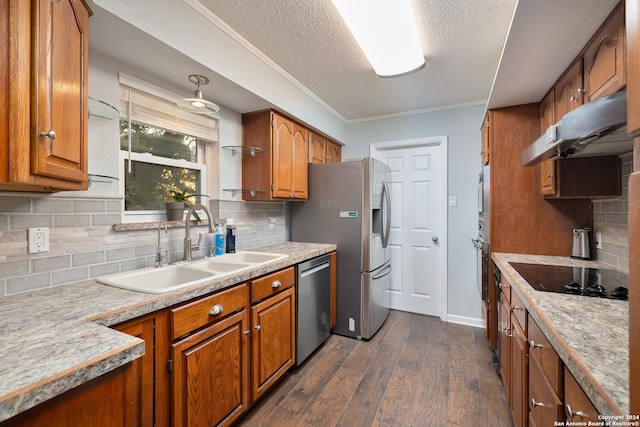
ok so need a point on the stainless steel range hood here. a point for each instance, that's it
(596, 128)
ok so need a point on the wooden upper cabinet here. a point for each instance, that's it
(323, 150)
(569, 90)
(486, 140)
(605, 57)
(632, 28)
(548, 167)
(280, 172)
(44, 144)
(334, 152)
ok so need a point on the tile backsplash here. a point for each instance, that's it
(84, 245)
(611, 217)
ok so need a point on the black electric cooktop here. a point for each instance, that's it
(591, 282)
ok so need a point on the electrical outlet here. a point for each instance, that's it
(38, 240)
(598, 240)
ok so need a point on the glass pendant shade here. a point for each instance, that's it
(197, 104)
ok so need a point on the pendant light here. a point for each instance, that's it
(197, 104)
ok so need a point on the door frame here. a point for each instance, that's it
(442, 141)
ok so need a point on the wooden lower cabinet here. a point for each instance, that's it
(143, 368)
(107, 401)
(577, 406)
(545, 407)
(273, 341)
(519, 375)
(210, 374)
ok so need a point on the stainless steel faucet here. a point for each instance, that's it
(186, 256)
(158, 248)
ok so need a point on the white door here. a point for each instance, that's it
(417, 240)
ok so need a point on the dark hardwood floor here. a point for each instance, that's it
(416, 371)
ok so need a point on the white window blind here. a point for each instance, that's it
(145, 103)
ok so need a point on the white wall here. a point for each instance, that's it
(462, 126)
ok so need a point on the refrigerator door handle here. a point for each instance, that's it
(386, 272)
(387, 209)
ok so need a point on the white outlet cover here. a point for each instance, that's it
(38, 240)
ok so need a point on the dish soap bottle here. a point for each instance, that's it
(219, 239)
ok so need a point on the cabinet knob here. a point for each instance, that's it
(276, 284)
(257, 327)
(247, 332)
(533, 345)
(514, 308)
(534, 403)
(216, 309)
(51, 134)
(570, 414)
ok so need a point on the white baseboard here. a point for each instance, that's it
(463, 320)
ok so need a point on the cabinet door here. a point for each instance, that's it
(282, 163)
(544, 405)
(548, 167)
(569, 90)
(60, 84)
(578, 407)
(519, 375)
(604, 59)
(300, 165)
(504, 335)
(210, 374)
(143, 368)
(317, 148)
(334, 152)
(273, 342)
(486, 141)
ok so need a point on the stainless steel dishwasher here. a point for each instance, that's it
(313, 305)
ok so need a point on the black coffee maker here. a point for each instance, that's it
(231, 239)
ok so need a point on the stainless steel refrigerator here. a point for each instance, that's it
(349, 205)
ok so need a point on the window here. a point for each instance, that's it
(161, 148)
(161, 160)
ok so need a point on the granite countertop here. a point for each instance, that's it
(591, 335)
(55, 339)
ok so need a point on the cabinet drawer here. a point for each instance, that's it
(194, 315)
(541, 350)
(518, 310)
(272, 284)
(544, 405)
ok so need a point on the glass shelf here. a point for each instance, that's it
(235, 191)
(99, 108)
(243, 149)
(103, 179)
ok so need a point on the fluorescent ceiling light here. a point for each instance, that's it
(386, 31)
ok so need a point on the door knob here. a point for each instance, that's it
(435, 238)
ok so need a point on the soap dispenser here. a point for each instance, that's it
(231, 239)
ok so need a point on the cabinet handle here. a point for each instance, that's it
(247, 332)
(503, 286)
(534, 403)
(570, 414)
(258, 328)
(276, 284)
(514, 308)
(51, 134)
(506, 332)
(216, 309)
(533, 345)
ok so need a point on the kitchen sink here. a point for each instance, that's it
(157, 280)
(174, 277)
(251, 257)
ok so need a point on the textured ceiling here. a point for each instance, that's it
(462, 41)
